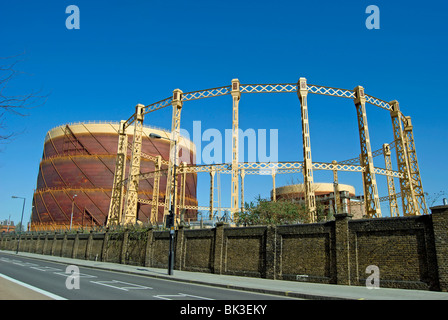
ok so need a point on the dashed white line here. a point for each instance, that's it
(129, 286)
(179, 295)
(81, 275)
(46, 269)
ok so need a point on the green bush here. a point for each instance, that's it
(265, 212)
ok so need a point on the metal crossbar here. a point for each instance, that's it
(263, 88)
(208, 93)
(267, 168)
(260, 88)
(157, 105)
(376, 153)
(329, 91)
(378, 102)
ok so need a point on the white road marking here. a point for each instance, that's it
(179, 295)
(29, 264)
(18, 262)
(130, 286)
(81, 275)
(46, 269)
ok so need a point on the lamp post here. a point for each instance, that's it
(21, 221)
(73, 205)
(170, 222)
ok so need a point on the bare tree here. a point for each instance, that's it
(431, 199)
(16, 105)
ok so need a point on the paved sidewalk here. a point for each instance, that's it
(10, 290)
(279, 287)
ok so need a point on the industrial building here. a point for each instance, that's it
(325, 197)
(76, 175)
(7, 226)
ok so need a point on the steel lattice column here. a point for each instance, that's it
(236, 94)
(337, 198)
(414, 169)
(218, 186)
(407, 189)
(310, 199)
(242, 174)
(130, 213)
(371, 199)
(175, 131)
(155, 190)
(116, 200)
(212, 191)
(393, 204)
(183, 185)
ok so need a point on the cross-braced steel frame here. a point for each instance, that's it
(408, 173)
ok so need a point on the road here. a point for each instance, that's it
(94, 284)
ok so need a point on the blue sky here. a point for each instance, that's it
(139, 51)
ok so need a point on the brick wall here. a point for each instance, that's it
(410, 252)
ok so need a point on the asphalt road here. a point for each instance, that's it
(94, 284)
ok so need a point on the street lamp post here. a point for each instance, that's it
(170, 222)
(21, 221)
(71, 217)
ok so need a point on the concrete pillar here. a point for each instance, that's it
(75, 245)
(342, 248)
(124, 247)
(36, 245)
(218, 263)
(89, 246)
(19, 243)
(64, 246)
(149, 243)
(440, 228)
(271, 253)
(178, 248)
(45, 244)
(53, 244)
(105, 245)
